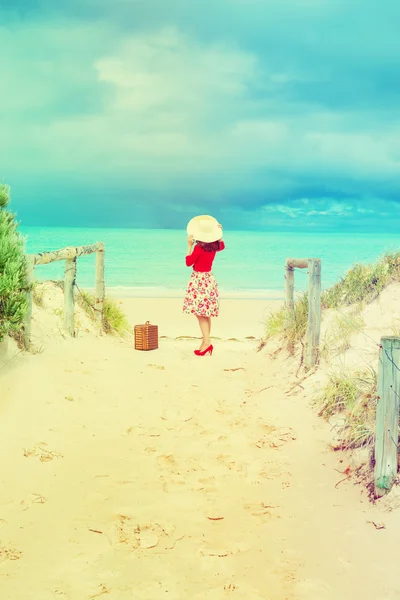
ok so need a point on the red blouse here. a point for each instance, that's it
(201, 260)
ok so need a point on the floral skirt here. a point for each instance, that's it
(202, 295)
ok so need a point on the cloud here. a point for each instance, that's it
(177, 105)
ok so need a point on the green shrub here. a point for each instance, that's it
(13, 302)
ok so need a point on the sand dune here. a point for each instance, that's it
(164, 475)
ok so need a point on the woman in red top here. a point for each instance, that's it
(202, 295)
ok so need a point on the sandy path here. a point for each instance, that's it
(161, 475)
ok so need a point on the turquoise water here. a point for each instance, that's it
(153, 261)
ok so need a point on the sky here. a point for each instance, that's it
(144, 113)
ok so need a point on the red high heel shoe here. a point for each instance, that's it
(204, 352)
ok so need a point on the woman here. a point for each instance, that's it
(202, 296)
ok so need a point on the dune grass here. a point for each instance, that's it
(364, 283)
(337, 339)
(38, 294)
(114, 320)
(361, 285)
(291, 326)
(350, 396)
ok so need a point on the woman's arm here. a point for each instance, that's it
(190, 245)
(191, 256)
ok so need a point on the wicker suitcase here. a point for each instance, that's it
(146, 337)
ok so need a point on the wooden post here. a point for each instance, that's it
(289, 287)
(100, 287)
(289, 296)
(314, 311)
(30, 280)
(70, 255)
(69, 295)
(387, 415)
(44, 258)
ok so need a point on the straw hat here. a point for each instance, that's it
(204, 229)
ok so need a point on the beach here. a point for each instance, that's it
(161, 474)
(241, 160)
(239, 319)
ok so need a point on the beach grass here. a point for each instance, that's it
(114, 320)
(360, 286)
(38, 295)
(337, 339)
(364, 283)
(290, 325)
(350, 397)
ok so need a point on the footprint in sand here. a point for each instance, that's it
(267, 429)
(223, 551)
(33, 499)
(275, 438)
(91, 592)
(289, 566)
(262, 510)
(273, 471)
(42, 453)
(101, 591)
(241, 423)
(134, 536)
(9, 554)
(167, 461)
(172, 485)
(139, 430)
(231, 464)
(233, 591)
(223, 409)
(175, 417)
(207, 485)
(60, 594)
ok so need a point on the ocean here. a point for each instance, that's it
(151, 263)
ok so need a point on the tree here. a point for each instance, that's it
(13, 301)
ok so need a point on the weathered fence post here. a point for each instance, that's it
(70, 255)
(100, 287)
(289, 287)
(387, 416)
(30, 280)
(69, 295)
(314, 311)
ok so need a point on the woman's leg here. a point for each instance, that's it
(205, 331)
(209, 328)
